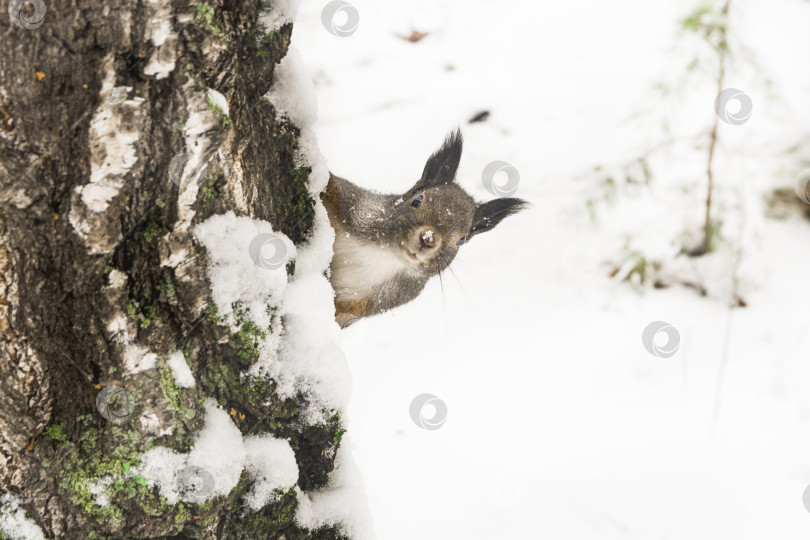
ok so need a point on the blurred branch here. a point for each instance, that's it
(722, 51)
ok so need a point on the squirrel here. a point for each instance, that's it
(387, 246)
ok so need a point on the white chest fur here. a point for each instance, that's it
(357, 267)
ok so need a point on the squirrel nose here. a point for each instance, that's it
(428, 239)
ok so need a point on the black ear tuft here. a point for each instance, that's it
(489, 214)
(441, 167)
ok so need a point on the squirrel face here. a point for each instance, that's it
(437, 217)
(434, 221)
(387, 246)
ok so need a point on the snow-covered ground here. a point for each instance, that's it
(560, 424)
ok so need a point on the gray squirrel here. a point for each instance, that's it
(388, 246)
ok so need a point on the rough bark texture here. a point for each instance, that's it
(97, 257)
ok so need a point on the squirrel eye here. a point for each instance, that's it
(417, 202)
(461, 241)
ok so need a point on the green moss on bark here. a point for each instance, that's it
(186, 405)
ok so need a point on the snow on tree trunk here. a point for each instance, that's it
(123, 127)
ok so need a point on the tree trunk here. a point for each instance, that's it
(114, 144)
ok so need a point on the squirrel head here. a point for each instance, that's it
(436, 217)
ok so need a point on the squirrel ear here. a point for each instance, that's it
(441, 167)
(489, 214)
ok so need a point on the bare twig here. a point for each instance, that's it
(722, 52)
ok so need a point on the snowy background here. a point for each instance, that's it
(560, 424)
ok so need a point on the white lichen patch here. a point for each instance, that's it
(138, 359)
(101, 488)
(163, 58)
(151, 424)
(14, 523)
(117, 278)
(172, 259)
(98, 489)
(234, 170)
(182, 373)
(201, 119)
(18, 198)
(114, 132)
(121, 329)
